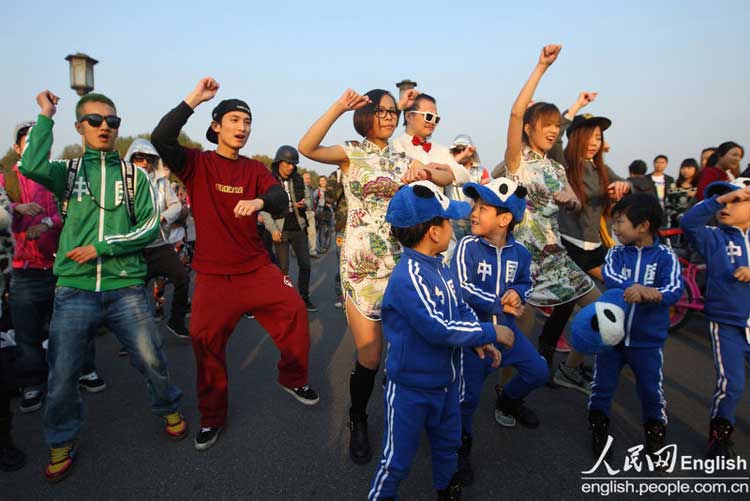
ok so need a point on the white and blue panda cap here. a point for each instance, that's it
(601, 325)
(500, 192)
(723, 187)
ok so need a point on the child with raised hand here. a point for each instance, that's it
(426, 322)
(557, 281)
(726, 249)
(494, 280)
(649, 274)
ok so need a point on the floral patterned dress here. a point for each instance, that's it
(556, 278)
(369, 252)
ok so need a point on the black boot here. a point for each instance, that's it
(465, 474)
(359, 442)
(548, 354)
(508, 412)
(599, 426)
(11, 459)
(452, 492)
(720, 439)
(656, 434)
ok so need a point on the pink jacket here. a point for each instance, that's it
(39, 253)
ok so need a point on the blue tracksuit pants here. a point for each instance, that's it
(731, 349)
(408, 412)
(646, 364)
(531, 367)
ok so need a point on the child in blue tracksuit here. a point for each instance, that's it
(649, 273)
(494, 279)
(726, 249)
(425, 324)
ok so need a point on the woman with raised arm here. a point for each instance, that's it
(558, 282)
(372, 174)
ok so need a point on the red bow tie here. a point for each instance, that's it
(417, 141)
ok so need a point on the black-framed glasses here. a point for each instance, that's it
(432, 118)
(95, 120)
(383, 112)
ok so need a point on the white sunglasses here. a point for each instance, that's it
(432, 118)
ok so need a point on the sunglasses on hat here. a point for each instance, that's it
(95, 120)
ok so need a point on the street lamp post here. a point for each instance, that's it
(405, 85)
(81, 72)
(81, 77)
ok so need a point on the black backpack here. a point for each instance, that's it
(127, 171)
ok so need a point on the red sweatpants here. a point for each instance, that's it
(218, 304)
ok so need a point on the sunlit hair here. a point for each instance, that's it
(548, 113)
(93, 98)
(575, 153)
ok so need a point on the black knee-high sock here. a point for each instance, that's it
(555, 324)
(361, 382)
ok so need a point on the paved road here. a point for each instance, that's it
(274, 448)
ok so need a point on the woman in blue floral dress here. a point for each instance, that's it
(373, 172)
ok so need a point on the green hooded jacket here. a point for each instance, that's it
(97, 214)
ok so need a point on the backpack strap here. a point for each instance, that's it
(69, 185)
(128, 174)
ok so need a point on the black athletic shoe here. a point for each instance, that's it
(655, 433)
(206, 438)
(509, 412)
(92, 383)
(599, 426)
(309, 305)
(359, 442)
(720, 439)
(452, 492)
(178, 328)
(32, 401)
(465, 473)
(303, 394)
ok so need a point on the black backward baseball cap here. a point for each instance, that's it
(222, 109)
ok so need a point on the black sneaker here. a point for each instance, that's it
(509, 412)
(359, 442)
(178, 328)
(452, 492)
(206, 438)
(720, 440)
(32, 401)
(309, 305)
(303, 394)
(92, 383)
(655, 434)
(599, 426)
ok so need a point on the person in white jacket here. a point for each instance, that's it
(161, 258)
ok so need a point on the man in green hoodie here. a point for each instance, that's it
(110, 215)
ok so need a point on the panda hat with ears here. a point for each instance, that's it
(600, 325)
(500, 192)
(722, 187)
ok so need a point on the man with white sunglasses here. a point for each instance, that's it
(421, 118)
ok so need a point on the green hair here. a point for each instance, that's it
(93, 98)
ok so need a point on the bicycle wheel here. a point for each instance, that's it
(678, 315)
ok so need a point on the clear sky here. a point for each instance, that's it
(672, 76)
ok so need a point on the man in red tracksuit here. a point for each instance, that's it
(227, 192)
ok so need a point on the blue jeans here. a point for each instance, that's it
(77, 316)
(32, 293)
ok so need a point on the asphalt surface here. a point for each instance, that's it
(275, 448)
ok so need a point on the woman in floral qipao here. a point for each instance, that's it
(558, 281)
(372, 174)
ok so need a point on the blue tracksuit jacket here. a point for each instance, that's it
(656, 266)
